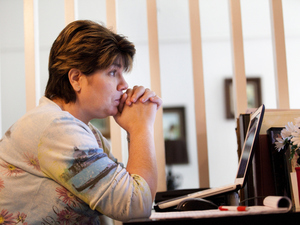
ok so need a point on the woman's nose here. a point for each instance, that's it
(123, 85)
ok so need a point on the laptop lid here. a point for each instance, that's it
(251, 139)
(244, 163)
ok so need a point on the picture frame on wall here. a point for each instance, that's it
(174, 129)
(174, 123)
(254, 98)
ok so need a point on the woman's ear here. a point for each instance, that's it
(74, 78)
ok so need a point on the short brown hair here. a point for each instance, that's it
(87, 46)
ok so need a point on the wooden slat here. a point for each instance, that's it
(199, 97)
(111, 17)
(115, 130)
(30, 45)
(239, 76)
(69, 11)
(156, 87)
(281, 76)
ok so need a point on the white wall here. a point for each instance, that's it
(12, 62)
(175, 63)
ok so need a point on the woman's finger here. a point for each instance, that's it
(134, 94)
(147, 95)
(122, 102)
(157, 100)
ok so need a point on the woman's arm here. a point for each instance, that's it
(137, 118)
(75, 161)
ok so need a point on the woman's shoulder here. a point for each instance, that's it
(49, 111)
(46, 114)
(49, 108)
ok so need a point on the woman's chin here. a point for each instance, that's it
(114, 112)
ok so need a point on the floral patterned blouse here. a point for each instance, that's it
(54, 169)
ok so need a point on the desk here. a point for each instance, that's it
(277, 218)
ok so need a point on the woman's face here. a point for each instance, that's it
(100, 92)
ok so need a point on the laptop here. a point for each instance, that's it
(251, 138)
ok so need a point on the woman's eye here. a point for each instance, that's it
(113, 73)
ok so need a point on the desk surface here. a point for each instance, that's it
(277, 218)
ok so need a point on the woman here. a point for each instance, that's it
(55, 167)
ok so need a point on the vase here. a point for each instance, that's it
(294, 169)
(297, 169)
(292, 162)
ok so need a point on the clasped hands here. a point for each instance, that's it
(137, 108)
(139, 93)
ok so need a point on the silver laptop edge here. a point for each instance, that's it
(245, 159)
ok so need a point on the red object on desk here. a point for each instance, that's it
(233, 208)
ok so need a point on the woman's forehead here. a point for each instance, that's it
(118, 63)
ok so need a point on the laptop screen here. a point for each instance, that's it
(246, 157)
(251, 137)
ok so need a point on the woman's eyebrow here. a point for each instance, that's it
(117, 65)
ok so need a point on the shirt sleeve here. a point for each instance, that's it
(103, 143)
(70, 155)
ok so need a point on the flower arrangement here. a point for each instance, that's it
(290, 137)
